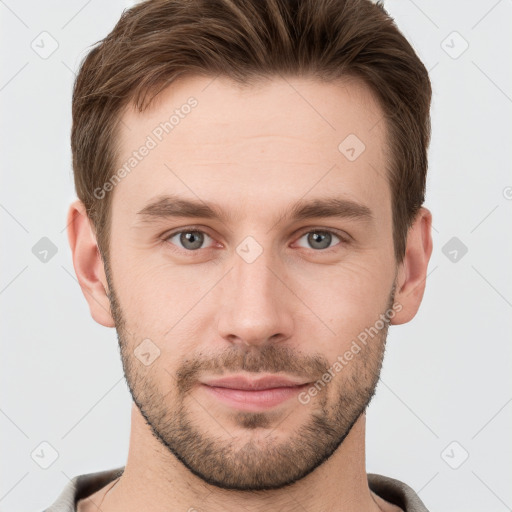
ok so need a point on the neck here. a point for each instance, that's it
(153, 475)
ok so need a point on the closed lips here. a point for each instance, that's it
(243, 383)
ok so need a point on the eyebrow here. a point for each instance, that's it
(169, 206)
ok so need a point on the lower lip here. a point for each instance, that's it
(254, 400)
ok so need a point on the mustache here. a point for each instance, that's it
(268, 359)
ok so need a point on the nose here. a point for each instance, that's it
(255, 303)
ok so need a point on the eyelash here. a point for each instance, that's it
(344, 240)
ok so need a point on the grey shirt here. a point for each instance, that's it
(82, 486)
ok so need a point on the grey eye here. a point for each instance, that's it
(319, 239)
(190, 240)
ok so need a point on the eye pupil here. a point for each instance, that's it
(193, 237)
(321, 237)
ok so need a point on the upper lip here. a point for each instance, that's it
(242, 382)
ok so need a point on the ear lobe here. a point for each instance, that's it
(412, 272)
(88, 264)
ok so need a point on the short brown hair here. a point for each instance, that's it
(157, 41)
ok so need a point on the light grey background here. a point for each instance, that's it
(446, 376)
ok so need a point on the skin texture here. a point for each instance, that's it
(294, 310)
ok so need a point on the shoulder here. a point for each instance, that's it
(81, 487)
(398, 495)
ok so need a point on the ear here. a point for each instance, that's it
(88, 264)
(412, 271)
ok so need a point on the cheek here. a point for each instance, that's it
(162, 302)
(346, 299)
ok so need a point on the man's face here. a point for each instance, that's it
(256, 292)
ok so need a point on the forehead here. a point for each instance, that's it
(277, 138)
